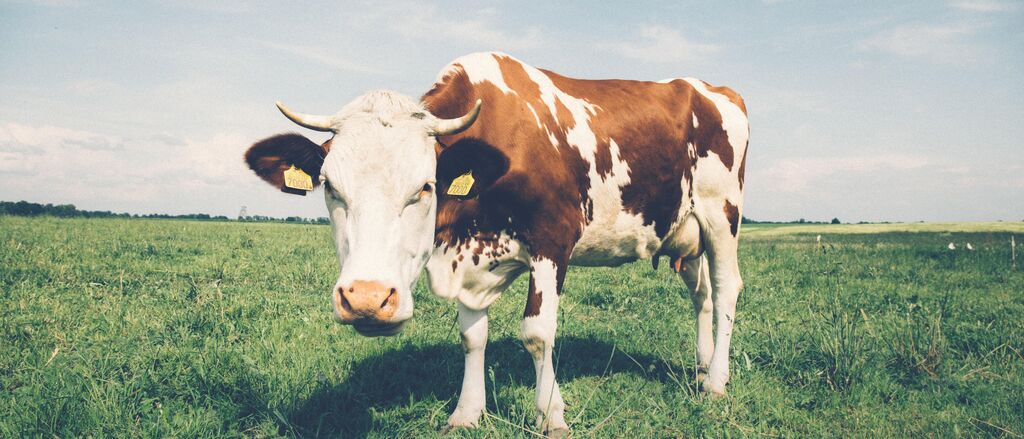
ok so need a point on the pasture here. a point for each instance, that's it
(199, 329)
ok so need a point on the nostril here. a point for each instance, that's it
(345, 305)
(391, 293)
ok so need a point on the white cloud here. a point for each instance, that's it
(804, 175)
(991, 176)
(17, 137)
(659, 44)
(218, 160)
(798, 174)
(939, 43)
(983, 6)
(74, 165)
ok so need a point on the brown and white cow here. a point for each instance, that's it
(564, 171)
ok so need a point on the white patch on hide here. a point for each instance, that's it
(476, 284)
(614, 236)
(734, 122)
(482, 67)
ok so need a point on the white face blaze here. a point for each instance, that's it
(379, 178)
(378, 183)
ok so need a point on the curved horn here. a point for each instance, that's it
(313, 122)
(447, 127)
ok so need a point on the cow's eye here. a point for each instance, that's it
(423, 194)
(332, 191)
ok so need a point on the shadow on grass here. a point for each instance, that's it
(434, 372)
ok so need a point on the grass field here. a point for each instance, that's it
(199, 329)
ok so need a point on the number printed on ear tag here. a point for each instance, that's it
(462, 184)
(296, 178)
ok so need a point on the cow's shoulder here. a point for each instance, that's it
(527, 181)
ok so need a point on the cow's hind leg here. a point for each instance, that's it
(721, 236)
(695, 274)
(540, 321)
(472, 400)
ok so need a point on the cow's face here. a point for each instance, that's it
(378, 173)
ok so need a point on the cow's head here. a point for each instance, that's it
(378, 172)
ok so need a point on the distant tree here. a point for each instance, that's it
(64, 210)
(835, 221)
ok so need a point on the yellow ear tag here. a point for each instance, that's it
(296, 178)
(462, 184)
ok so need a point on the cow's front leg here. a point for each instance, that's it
(473, 398)
(540, 321)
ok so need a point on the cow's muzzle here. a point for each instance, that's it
(370, 306)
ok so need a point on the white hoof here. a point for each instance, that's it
(714, 387)
(462, 418)
(553, 427)
(557, 433)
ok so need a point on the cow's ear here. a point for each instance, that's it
(472, 156)
(271, 157)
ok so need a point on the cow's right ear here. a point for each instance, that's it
(271, 157)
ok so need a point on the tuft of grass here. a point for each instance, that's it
(916, 343)
(841, 341)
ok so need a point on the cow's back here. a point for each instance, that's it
(610, 169)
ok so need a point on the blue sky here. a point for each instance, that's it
(899, 111)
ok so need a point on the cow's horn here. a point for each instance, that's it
(313, 122)
(447, 127)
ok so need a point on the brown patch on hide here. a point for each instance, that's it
(709, 135)
(650, 124)
(534, 299)
(732, 213)
(535, 296)
(743, 164)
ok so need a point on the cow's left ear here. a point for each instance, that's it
(271, 157)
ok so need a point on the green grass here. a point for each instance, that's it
(761, 229)
(198, 329)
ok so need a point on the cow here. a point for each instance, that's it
(525, 170)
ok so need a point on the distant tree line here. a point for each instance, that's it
(746, 220)
(25, 208)
(291, 219)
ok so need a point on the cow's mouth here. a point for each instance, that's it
(368, 329)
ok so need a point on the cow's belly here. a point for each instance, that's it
(615, 239)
